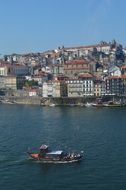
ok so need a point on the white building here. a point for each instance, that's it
(114, 71)
(88, 84)
(51, 89)
(47, 89)
(88, 87)
(75, 88)
(84, 86)
(4, 70)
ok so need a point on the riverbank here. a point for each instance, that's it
(46, 101)
(63, 101)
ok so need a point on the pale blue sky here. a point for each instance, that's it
(39, 25)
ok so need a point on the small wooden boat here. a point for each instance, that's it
(46, 156)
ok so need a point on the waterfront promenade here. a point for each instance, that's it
(63, 101)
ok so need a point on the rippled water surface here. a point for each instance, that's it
(100, 133)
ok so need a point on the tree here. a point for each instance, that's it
(30, 83)
(119, 53)
(5, 57)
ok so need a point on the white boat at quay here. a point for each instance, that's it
(7, 102)
(52, 105)
(88, 104)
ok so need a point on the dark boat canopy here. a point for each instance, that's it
(43, 147)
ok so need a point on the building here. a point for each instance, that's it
(88, 84)
(123, 70)
(47, 89)
(57, 69)
(12, 82)
(114, 85)
(99, 88)
(74, 88)
(17, 70)
(51, 89)
(20, 70)
(5, 69)
(81, 87)
(2, 82)
(114, 71)
(104, 47)
(56, 89)
(75, 67)
(33, 92)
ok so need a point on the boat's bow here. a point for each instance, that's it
(33, 155)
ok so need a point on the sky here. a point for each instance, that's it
(40, 25)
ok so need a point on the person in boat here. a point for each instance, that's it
(43, 150)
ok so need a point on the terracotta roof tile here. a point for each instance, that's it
(86, 75)
(77, 61)
(123, 67)
(114, 77)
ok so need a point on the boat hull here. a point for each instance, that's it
(55, 161)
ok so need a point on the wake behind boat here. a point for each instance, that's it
(47, 156)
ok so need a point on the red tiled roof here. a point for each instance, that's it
(33, 90)
(123, 67)
(123, 76)
(86, 75)
(114, 77)
(3, 62)
(74, 69)
(5, 65)
(72, 79)
(118, 77)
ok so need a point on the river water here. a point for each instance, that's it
(99, 132)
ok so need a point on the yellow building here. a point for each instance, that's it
(11, 82)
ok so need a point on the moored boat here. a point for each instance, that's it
(113, 104)
(97, 105)
(47, 156)
(88, 104)
(7, 102)
(52, 105)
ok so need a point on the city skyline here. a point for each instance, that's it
(36, 26)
